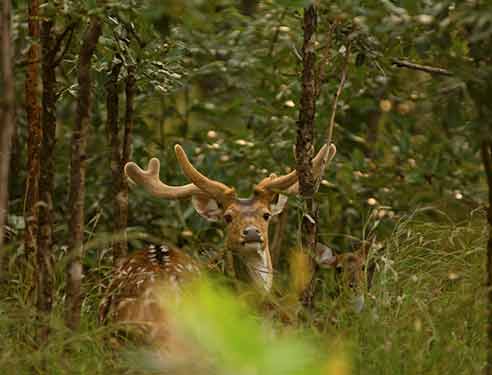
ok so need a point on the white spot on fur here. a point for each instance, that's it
(189, 267)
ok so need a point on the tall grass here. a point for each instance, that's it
(425, 313)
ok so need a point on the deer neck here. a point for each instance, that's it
(254, 265)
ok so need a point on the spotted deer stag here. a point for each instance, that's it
(130, 296)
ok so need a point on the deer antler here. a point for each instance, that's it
(289, 182)
(150, 181)
(320, 162)
(216, 189)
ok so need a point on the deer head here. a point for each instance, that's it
(350, 269)
(246, 219)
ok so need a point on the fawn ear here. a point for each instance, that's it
(207, 207)
(278, 204)
(365, 248)
(325, 257)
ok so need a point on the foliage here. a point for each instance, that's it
(233, 99)
(226, 86)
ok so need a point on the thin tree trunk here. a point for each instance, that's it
(6, 117)
(34, 131)
(122, 196)
(77, 175)
(120, 153)
(305, 141)
(487, 162)
(113, 107)
(44, 269)
(480, 90)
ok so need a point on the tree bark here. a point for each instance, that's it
(34, 131)
(77, 175)
(480, 89)
(305, 141)
(44, 259)
(122, 196)
(7, 111)
(120, 153)
(112, 124)
(486, 148)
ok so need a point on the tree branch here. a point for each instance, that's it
(59, 39)
(331, 125)
(70, 29)
(321, 71)
(343, 78)
(424, 68)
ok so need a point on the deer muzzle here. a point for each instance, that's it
(251, 235)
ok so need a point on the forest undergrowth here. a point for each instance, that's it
(424, 313)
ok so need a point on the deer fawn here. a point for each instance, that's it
(351, 270)
(130, 295)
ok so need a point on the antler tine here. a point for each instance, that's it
(289, 183)
(216, 189)
(322, 159)
(274, 182)
(149, 180)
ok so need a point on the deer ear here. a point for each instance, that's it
(207, 207)
(277, 206)
(365, 248)
(325, 256)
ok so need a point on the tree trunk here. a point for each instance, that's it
(305, 142)
(44, 261)
(112, 105)
(120, 153)
(122, 196)
(6, 117)
(34, 132)
(77, 175)
(486, 149)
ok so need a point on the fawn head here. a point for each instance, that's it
(350, 268)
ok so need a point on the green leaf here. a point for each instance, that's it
(295, 3)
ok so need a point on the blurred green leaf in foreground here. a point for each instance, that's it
(213, 332)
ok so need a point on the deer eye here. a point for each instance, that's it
(266, 216)
(227, 218)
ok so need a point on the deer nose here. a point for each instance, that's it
(251, 234)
